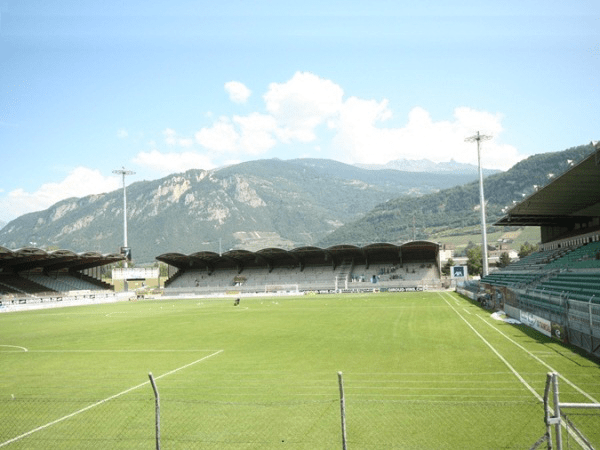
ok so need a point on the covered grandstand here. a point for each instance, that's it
(341, 268)
(557, 289)
(33, 276)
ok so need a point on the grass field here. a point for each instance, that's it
(420, 370)
(473, 234)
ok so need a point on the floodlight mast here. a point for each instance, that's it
(124, 172)
(478, 138)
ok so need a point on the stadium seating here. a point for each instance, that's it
(585, 257)
(64, 283)
(15, 284)
(324, 277)
(538, 260)
(511, 278)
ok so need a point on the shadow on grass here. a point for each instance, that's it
(562, 348)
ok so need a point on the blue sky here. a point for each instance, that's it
(87, 87)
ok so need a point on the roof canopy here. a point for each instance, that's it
(572, 197)
(271, 257)
(31, 258)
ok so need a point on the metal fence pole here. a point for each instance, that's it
(556, 411)
(157, 410)
(547, 410)
(342, 409)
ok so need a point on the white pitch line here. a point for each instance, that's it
(549, 367)
(15, 346)
(68, 416)
(497, 353)
(569, 430)
(121, 351)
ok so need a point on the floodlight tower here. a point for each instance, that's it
(478, 138)
(124, 172)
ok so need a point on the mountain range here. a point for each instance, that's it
(285, 204)
(408, 218)
(425, 165)
(252, 205)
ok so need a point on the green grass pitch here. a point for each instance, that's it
(420, 370)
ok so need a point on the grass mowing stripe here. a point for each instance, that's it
(571, 432)
(277, 381)
(581, 391)
(112, 397)
(121, 351)
(496, 352)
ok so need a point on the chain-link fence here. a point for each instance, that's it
(581, 425)
(192, 424)
(189, 422)
(126, 422)
(579, 428)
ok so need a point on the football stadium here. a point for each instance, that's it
(339, 347)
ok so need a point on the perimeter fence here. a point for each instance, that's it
(580, 428)
(188, 422)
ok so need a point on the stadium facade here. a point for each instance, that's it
(34, 278)
(556, 290)
(342, 268)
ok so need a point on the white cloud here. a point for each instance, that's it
(361, 138)
(308, 108)
(169, 135)
(252, 134)
(304, 109)
(172, 139)
(221, 137)
(301, 104)
(255, 133)
(168, 163)
(237, 91)
(81, 182)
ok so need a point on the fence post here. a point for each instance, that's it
(547, 411)
(157, 410)
(556, 411)
(342, 409)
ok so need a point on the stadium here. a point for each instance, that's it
(365, 347)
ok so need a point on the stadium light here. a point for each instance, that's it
(124, 172)
(478, 138)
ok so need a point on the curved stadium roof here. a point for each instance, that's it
(30, 258)
(272, 257)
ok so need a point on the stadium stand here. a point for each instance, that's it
(586, 256)
(557, 289)
(30, 276)
(414, 265)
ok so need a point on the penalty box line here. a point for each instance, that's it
(496, 352)
(112, 397)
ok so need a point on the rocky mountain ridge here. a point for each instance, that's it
(425, 165)
(253, 205)
(450, 210)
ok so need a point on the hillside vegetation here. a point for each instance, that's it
(454, 211)
(286, 204)
(253, 205)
